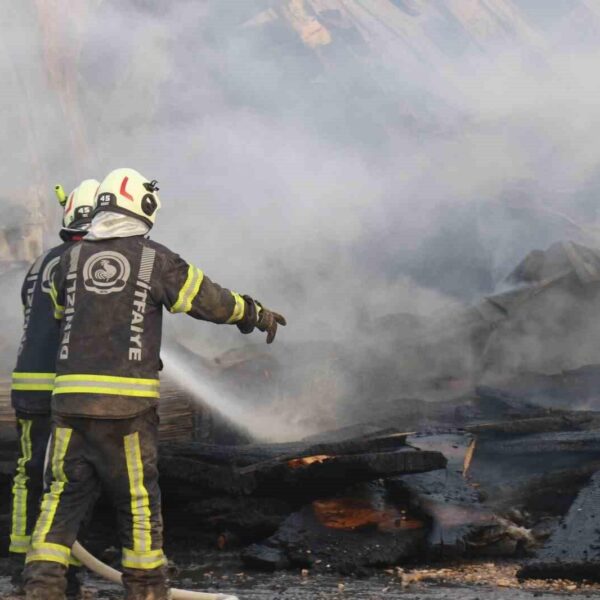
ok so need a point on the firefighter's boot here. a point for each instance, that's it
(16, 564)
(45, 580)
(146, 584)
(74, 576)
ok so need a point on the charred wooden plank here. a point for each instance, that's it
(322, 477)
(552, 442)
(196, 474)
(573, 550)
(249, 454)
(312, 477)
(562, 422)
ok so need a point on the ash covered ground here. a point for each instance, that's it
(222, 573)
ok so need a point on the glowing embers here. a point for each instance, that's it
(296, 463)
(352, 513)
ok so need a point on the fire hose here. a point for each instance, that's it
(110, 574)
(106, 572)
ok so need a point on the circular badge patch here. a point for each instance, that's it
(106, 272)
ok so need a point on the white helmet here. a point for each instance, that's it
(78, 206)
(129, 192)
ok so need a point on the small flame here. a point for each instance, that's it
(295, 463)
(351, 513)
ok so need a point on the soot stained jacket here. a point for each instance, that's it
(110, 296)
(33, 377)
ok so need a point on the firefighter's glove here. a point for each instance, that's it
(268, 321)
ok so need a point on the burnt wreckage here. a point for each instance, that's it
(499, 457)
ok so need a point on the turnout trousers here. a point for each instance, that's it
(33, 432)
(120, 455)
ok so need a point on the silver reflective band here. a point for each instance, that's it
(146, 264)
(49, 552)
(33, 381)
(143, 560)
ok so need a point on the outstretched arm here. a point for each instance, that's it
(185, 288)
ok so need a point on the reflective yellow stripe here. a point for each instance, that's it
(188, 291)
(19, 489)
(74, 389)
(22, 375)
(19, 544)
(107, 384)
(238, 309)
(184, 291)
(50, 552)
(32, 381)
(53, 294)
(107, 379)
(143, 560)
(51, 500)
(74, 562)
(32, 387)
(140, 502)
(59, 309)
(195, 290)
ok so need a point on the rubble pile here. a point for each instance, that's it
(361, 498)
(485, 457)
(488, 475)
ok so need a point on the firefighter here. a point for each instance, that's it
(33, 377)
(109, 290)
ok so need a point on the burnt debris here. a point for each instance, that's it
(573, 549)
(483, 455)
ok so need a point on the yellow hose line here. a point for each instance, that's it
(106, 572)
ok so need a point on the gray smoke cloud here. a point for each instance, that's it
(340, 161)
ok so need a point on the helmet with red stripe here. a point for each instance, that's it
(129, 192)
(78, 206)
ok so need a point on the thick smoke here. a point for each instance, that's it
(340, 161)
